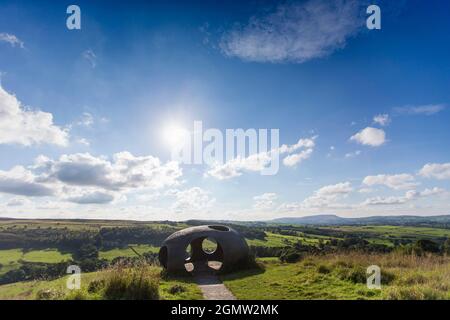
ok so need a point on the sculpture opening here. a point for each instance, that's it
(204, 253)
(209, 245)
(189, 266)
(220, 228)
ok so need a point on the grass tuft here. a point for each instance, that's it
(138, 283)
(176, 289)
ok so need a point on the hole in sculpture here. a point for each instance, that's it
(189, 266)
(188, 253)
(209, 245)
(213, 253)
(203, 254)
(219, 228)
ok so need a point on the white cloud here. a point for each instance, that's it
(265, 201)
(104, 120)
(83, 141)
(327, 196)
(96, 197)
(17, 202)
(11, 39)
(86, 120)
(427, 110)
(410, 195)
(53, 205)
(235, 167)
(432, 192)
(147, 195)
(259, 161)
(440, 171)
(124, 171)
(353, 154)
(305, 145)
(226, 171)
(91, 57)
(295, 32)
(84, 179)
(382, 119)
(20, 181)
(375, 201)
(365, 190)
(295, 159)
(20, 125)
(396, 181)
(330, 153)
(370, 136)
(335, 189)
(192, 200)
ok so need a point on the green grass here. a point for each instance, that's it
(11, 259)
(397, 231)
(279, 240)
(342, 276)
(46, 256)
(387, 235)
(324, 277)
(292, 282)
(28, 290)
(127, 252)
(192, 291)
(384, 235)
(80, 225)
(8, 256)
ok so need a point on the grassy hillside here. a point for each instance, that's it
(80, 224)
(280, 240)
(390, 235)
(127, 252)
(404, 220)
(343, 276)
(9, 259)
(30, 290)
(333, 276)
(333, 259)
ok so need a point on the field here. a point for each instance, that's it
(344, 277)
(278, 240)
(11, 259)
(296, 262)
(390, 233)
(78, 225)
(127, 252)
(325, 277)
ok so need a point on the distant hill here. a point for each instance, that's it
(316, 219)
(331, 219)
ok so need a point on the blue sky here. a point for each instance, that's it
(84, 113)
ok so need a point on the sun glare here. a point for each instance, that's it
(174, 134)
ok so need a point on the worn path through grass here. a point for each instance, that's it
(210, 284)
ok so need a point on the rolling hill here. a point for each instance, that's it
(329, 219)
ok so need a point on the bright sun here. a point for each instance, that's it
(174, 134)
